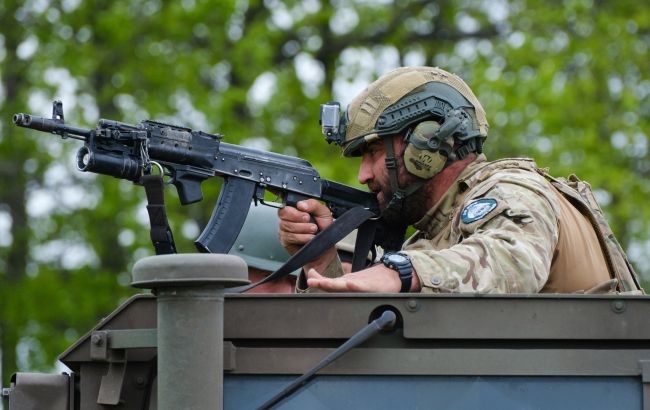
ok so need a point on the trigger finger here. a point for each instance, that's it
(296, 239)
(298, 227)
(293, 215)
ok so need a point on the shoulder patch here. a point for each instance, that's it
(478, 209)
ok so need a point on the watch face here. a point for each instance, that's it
(397, 258)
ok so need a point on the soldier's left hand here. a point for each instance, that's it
(378, 279)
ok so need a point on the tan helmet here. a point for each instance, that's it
(384, 107)
(435, 111)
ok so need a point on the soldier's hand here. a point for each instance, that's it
(377, 278)
(299, 225)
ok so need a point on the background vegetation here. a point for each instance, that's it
(566, 82)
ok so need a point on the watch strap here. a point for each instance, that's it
(406, 278)
(404, 270)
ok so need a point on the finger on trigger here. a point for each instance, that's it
(290, 213)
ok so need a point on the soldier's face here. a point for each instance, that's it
(373, 172)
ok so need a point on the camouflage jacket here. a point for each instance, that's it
(496, 230)
(507, 226)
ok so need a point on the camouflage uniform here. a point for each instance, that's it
(508, 250)
(513, 247)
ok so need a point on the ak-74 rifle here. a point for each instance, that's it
(189, 157)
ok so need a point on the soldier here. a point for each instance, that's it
(495, 227)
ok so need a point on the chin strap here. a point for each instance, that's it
(399, 195)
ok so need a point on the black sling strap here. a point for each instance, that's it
(161, 233)
(363, 244)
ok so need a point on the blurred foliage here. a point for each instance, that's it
(566, 82)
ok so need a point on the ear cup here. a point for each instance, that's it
(419, 159)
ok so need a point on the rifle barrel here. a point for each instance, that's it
(50, 125)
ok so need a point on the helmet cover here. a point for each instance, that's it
(366, 119)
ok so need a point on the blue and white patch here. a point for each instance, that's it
(477, 210)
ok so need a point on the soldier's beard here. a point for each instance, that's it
(395, 220)
(412, 210)
(413, 207)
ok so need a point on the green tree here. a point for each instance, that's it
(565, 82)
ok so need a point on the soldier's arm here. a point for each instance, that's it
(508, 250)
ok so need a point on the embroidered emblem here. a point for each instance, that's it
(478, 209)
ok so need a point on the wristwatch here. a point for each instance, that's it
(401, 263)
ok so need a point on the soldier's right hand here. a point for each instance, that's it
(299, 225)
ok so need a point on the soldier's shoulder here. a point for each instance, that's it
(510, 174)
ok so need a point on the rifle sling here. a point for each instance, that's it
(325, 239)
(161, 233)
(364, 243)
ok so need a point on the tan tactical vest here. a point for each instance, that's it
(578, 195)
(587, 257)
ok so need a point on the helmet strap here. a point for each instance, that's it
(399, 195)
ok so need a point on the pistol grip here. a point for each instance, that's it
(188, 185)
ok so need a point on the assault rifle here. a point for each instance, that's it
(189, 157)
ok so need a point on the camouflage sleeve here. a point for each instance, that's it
(508, 236)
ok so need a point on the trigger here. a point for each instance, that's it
(274, 204)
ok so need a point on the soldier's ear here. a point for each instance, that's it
(420, 159)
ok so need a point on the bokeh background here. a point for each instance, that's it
(566, 82)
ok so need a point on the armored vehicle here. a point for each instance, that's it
(191, 345)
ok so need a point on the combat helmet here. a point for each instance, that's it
(258, 244)
(440, 117)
